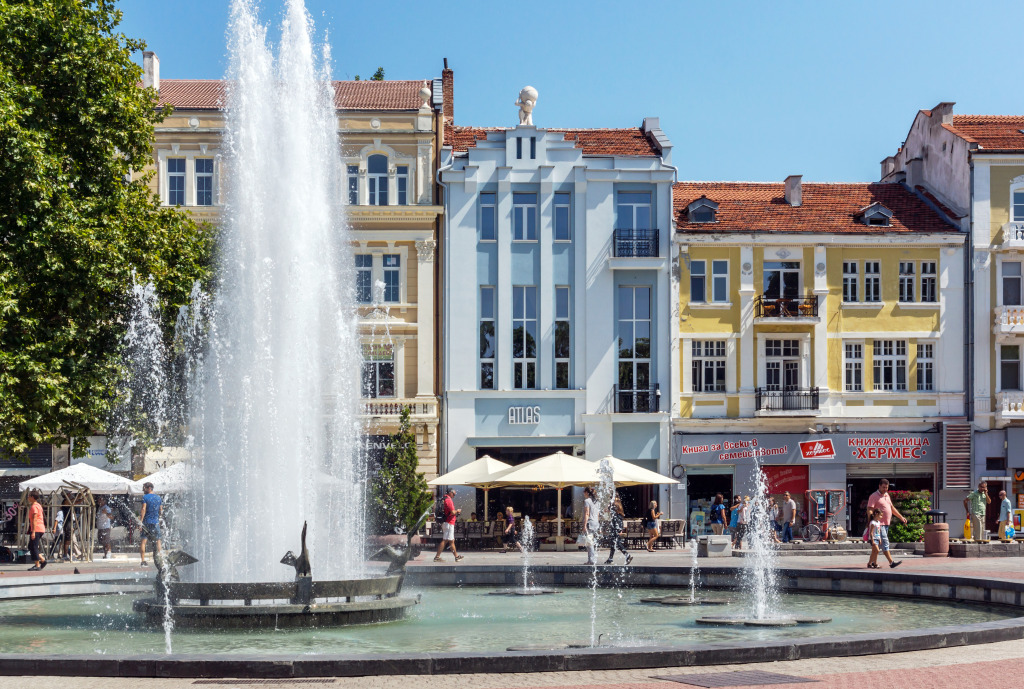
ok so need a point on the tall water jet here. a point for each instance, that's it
(603, 499)
(273, 405)
(761, 570)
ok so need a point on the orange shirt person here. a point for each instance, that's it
(36, 529)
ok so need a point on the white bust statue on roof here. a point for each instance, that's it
(527, 99)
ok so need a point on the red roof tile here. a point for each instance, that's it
(208, 94)
(939, 204)
(594, 142)
(826, 208)
(998, 132)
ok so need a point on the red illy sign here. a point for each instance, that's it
(818, 449)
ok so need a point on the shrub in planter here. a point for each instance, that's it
(912, 505)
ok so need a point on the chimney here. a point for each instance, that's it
(794, 190)
(150, 70)
(448, 91)
(915, 172)
(888, 165)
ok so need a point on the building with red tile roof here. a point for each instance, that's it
(594, 142)
(209, 94)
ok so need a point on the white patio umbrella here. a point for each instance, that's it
(95, 479)
(174, 479)
(628, 474)
(479, 474)
(554, 471)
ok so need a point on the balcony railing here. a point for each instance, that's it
(394, 407)
(1009, 320)
(636, 244)
(1013, 235)
(1010, 406)
(644, 401)
(786, 307)
(798, 399)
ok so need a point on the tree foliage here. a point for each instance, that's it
(377, 76)
(74, 221)
(398, 493)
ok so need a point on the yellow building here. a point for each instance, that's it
(820, 333)
(390, 138)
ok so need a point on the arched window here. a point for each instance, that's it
(377, 175)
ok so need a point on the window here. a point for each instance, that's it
(519, 147)
(378, 370)
(1011, 283)
(929, 284)
(488, 214)
(925, 367)
(634, 210)
(204, 181)
(906, 281)
(720, 281)
(702, 210)
(781, 279)
(352, 173)
(364, 278)
(488, 343)
(563, 338)
(1018, 205)
(524, 337)
(1009, 367)
(782, 365)
(698, 281)
(851, 281)
(402, 182)
(176, 181)
(890, 365)
(708, 366)
(562, 232)
(524, 217)
(878, 219)
(853, 357)
(634, 338)
(377, 179)
(533, 147)
(872, 281)
(392, 273)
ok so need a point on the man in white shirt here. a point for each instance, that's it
(1005, 510)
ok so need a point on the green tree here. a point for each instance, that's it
(398, 493)
(74, 219)
(377, 76)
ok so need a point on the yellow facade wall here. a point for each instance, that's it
(999, 195)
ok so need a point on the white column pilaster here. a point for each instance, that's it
(425, 317)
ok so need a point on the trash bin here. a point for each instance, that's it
(936, 534)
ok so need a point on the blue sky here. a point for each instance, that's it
(745, 90)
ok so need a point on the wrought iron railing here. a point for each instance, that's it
(636, 244)
(785, 307)
(796, 399)
(645, 401)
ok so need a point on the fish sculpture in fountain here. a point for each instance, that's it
(399, 558)
(300, 563)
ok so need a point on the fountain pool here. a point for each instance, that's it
(468, 619)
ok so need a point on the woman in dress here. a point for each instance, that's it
(653, 515)
(510, 536)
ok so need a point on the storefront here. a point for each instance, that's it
(852, 462)
(35, 462)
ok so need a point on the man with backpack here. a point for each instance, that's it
(447, 513)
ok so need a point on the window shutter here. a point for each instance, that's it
(956, 456)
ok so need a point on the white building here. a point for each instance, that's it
(558, 299)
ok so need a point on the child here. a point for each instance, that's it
(875, 537)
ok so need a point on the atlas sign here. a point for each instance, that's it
(818, 449)
(524, 416)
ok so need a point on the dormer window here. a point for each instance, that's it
(702, 210)
(876, 215)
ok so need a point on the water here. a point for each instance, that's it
(761, 577)
(466, 620)
(694, 568)
(605, 496)
(273, 397)
(526, 541)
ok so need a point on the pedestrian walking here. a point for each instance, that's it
(1005, 510)
(591, 524)
(617, 532)
(773, 517)
(103, 515)
(718, 515)
(734, 517)
(975, 503)
(788, 517)
(881, 501)
(510, 536)
(743, 521)
(152, 509)
(874, 537)
(448, 527)
(653, 524)
(36, 528)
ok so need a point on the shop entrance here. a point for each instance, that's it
(862, 481)
(702, 484)
(538, 503)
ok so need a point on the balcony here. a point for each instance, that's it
(1009, 322)
(1010, 406)
(786, 308)
(392, 408)
(636, 244)
(1013, 235)
(645, 401)
(793, 402)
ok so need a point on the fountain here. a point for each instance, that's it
(273, 395)
(529, 588)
